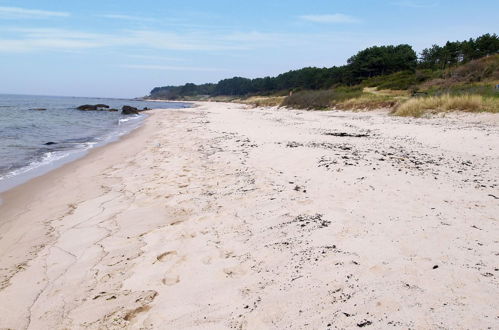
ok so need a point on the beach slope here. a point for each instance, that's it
(221, 216)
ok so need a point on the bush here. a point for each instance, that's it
(321, 99)
(473, 73)
(400, 80)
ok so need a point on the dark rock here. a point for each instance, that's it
(50, 143)
(105, 106)
(294, 144)
(112, 110)
(343, 134)
(93, 107)
(435, 267)
(128, 110)
(146, 108)
(87, 107)
(364, 324)
(38, 109)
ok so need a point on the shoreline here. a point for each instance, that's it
(68, 134)
(28, 172)
(51, 174)
(221, 216)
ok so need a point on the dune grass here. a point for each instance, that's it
(345, 98)
(417, 107)
(263, 101)
(368, 102)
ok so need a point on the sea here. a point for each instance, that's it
(34, 141)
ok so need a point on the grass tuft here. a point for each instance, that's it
(417, 107)
(263, 101)
(368, 102)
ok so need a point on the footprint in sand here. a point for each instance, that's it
(133, 313)
(206, 260)
(163, 257)
(234, 272)
(178, 222)
(170, 280)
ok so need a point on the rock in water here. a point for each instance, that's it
(38, 109)
(50, 143)
(87, 107)
(128, 110)
(92, 107)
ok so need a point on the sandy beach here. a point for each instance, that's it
(222, 216)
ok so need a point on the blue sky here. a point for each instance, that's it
(113, 48)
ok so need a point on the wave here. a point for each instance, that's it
(131, 118)
(65, 152)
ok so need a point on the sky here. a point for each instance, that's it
(111, 48)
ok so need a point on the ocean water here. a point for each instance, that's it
(33, 142)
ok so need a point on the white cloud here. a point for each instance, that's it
(127, 17)
(41, 33)
(24, 46)
(140, 40)
(36, 39)
(32, 39)
(20, 13)
(330, 18)
(170, 68)
(190, 41)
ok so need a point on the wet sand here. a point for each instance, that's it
(223, 216)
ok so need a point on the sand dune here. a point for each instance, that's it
(227, 217)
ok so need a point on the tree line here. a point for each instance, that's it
(457, 52)
(368, 63)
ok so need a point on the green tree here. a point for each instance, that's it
(380, 60)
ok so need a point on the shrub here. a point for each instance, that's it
(321, 99)
(399, 80)
(475, 72)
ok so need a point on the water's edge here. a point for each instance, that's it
(41, 133)
(56, 159)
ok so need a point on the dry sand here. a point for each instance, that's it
(227, 217)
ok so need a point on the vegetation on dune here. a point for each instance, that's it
(263, 101)
(477, 76)
(370, 101)
(347, 98)
(367, 63)
(321, 99)
(379, 61)
(417, 107)
(453, 53)
(444, 78)
(402, 80)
